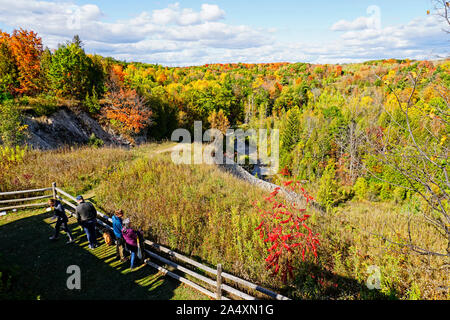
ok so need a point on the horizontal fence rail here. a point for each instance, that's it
(25, 199)
(215, 287)
(3, 210)
(12, 193)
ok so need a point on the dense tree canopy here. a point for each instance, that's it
(74, 74)
(334, 120)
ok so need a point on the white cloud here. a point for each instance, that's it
(357, 24)
(373, 21)
(211, 12)
(185, 36)
(174, 14)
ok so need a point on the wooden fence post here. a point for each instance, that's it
(219, 282)
(54, 190)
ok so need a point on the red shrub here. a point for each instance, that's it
(284, 230)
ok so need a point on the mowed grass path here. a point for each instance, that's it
(33, 267)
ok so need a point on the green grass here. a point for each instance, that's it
(33, 267)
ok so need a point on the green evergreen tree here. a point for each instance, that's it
(290, 133)
(74, 74)
(46, 61)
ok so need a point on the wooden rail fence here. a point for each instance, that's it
(215, 284)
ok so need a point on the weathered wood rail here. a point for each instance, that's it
(3, 210)
(213, 286)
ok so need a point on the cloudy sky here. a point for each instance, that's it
(180, 33)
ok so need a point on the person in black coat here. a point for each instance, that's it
(86, 215)
(61, 220)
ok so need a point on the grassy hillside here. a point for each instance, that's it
(208, 214)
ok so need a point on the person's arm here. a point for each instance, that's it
(93, 211)
(77, 214)
(59, 210)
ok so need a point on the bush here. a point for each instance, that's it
(327, 194)
(361, 188)
(95, 142)
(12, 130)
(43, 105)
(91, 103)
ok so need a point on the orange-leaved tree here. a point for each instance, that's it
(26, 48)
(127, 111)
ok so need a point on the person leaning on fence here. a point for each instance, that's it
(86, 215)
(131, 238)
(117, 229)
(61, 219)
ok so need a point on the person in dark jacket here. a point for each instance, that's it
(86, 215)
(61, 220)
(117, 228)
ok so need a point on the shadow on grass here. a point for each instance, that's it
(33, 267)
(315, 282)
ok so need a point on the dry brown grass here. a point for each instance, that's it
(75, 170)
(201, 211)
(351, 244)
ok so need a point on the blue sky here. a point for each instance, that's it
(192, 32)
(295, 19)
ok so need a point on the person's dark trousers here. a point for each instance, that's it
(89, 228)
(64, 226)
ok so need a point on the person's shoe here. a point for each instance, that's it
(53, 238)
(91, 247)
(70, 241)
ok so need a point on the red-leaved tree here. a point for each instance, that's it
(283, 227)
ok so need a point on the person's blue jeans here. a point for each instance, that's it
(89, 228)
(133, 251)
(132, 258)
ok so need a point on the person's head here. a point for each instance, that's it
(80, 199)
(119, 213)
(127, 223)
(52, 202)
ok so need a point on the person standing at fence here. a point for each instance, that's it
(117, 228)
(131, 240)
(61, 220)
(86, 215)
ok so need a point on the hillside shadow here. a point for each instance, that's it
(33, 267)
(315, 282)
